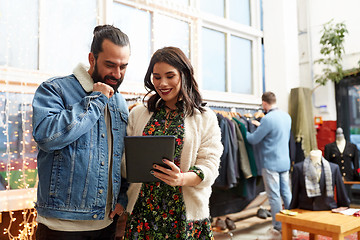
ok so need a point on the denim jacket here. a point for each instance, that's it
(69, 128)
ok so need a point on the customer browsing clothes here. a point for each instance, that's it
(273, 135)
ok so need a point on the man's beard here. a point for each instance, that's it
(97, 78)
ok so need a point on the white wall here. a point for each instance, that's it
(312, 14)
(281, 48)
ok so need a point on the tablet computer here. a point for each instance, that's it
(141, 152)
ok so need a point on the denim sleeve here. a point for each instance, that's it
(56, 125)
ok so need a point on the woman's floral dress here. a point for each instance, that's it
(159, 212)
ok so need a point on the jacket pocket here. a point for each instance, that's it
(124, 117)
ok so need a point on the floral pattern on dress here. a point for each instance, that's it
(159, 212)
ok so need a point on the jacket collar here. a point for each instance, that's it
(84, 78)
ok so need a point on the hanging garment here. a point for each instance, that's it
(300, 110)
(227, 171)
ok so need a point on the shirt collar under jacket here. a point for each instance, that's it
(272, 109)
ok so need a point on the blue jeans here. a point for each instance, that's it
(277, 187)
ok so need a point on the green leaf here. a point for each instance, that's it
(332, 49)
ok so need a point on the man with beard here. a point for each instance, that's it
(79, 124)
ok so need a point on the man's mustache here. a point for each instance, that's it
(112, 78)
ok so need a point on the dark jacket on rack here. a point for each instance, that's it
(348, 160)
(228, 167)
(256, 147)
(300, 198)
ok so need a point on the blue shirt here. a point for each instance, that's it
(273, 136)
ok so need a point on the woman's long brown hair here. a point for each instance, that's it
(189, 92)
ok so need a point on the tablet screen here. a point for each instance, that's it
(141, 152)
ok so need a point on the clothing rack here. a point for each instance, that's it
(248, 112)
(133, 99)
(240, 109)
(236, 197)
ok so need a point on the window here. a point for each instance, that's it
(241, 65)
(213, 60)
(231, 50)
(182, 2)
(169, 31)
(17, 147)
(348, 108)
(239, 11)
(354, 110)
(149, 29)
(19, 34)
(66, 34)
(137, 25)
(222, 38)
(215, 7)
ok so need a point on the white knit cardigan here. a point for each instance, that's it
(202, 148)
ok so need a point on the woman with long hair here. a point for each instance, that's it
(176, 206)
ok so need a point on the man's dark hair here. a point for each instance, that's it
(189, 93)
(269, 97)
(111, 33)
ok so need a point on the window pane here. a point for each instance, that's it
(181, 2)
(240, 11)
(136, 24)
(241, 67)
(171, 32)
(213, 60)
(216, 7)
(19, 34)
(17, 146)
(66, 33)
(354, 114)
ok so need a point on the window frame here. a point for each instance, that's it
(252, 33)
(198, 19)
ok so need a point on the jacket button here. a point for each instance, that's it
(342, 161)
(350, 155)
(100, 191)
(95, 216)
(342, 167)
(103, 135)
(102, 163)
(344, 174)
(334, 155)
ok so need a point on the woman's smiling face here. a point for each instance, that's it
(167, 83)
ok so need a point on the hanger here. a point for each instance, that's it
(259, 114)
